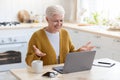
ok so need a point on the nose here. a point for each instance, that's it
(59, 22)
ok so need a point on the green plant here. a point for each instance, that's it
(96, 19)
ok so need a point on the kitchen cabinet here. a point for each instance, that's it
(116, 49)
(105, 46)
(76, 37)
(13, 44)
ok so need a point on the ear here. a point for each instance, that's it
(47, 19)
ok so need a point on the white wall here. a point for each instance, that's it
(70, 8)
(10, 8)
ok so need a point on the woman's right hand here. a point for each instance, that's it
(38, 52)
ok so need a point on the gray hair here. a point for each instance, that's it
(55, 9)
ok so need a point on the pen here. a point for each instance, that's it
(104, 63)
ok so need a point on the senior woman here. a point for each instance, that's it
(52, 43)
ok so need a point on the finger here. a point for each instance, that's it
(91, 47)
(35, 47)
(42, 54)
(87, 43)
(87, 48)
(83, 49)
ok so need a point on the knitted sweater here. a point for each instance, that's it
(41, 41)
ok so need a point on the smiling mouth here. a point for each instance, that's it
(57, 27)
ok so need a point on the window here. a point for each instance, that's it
(98, 11)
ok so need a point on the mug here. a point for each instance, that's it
(37, 66)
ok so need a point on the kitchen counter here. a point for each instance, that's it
(100, 30)
(23, 26)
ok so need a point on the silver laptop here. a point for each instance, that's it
(77, 61)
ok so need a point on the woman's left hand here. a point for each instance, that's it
(86, 47)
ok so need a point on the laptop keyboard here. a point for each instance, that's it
(58, 69)
(61, 69)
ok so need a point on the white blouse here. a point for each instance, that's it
(54, 40)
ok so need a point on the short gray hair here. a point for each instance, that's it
(54, 9)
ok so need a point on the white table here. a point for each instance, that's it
(96, 73)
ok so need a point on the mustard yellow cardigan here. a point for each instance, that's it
(40, 40)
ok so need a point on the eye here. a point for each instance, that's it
(61, 20)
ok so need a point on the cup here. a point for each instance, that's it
(37, 66)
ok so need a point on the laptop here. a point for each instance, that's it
(77, 61)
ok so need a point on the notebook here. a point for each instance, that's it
(104, 62)
(77, 61)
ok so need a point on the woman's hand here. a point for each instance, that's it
(86, 47)
(38, 52)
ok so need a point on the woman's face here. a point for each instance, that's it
(55, 23)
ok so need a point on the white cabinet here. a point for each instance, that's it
(103, 45)
(116, 49)
(78, 38)
(106, 47)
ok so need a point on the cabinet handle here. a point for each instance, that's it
(76, 31)
(116, 40)
(97, 36)
(97, 47)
